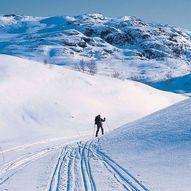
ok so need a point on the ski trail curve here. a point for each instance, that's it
(55, 175)
(80, 166)
(11, 168)
(74, 170)
(128, 178)
(86, 167)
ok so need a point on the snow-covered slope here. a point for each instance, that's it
(179, 84)
(156, 149)
(40, 101)
(132, 48)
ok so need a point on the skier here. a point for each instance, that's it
(98, 122)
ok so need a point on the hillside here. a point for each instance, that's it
(178, 84)
(155, 148)
(41, 101)
(46, 132)
(127, 46)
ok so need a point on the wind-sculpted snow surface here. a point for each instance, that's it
(156, 149)
(132, 48)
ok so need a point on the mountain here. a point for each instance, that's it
(123, 47)
(47, 108)
(40, 101)
(155, 148)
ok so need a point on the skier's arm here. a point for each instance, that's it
(103, 119)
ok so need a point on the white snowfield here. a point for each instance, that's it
(44, 101)
(157, 148)
(46, 128)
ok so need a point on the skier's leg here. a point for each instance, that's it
(102, 130)
(97, 131)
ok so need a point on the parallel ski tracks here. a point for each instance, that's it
(11, 168)
(74, 169)
(127, 180)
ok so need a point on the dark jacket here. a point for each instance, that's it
(99, 120)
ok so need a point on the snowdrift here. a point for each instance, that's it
(157, 148)
(38, 101)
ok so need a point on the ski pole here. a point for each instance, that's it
(3, 157)
(107, 126)
(93, 131)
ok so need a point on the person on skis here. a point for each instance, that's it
(98, 122)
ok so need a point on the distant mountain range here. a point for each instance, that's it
(127, 46)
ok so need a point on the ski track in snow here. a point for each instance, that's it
(80, 166)
(11, 168)
(128, 180)
(73, 170)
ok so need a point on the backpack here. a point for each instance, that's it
(97, 120)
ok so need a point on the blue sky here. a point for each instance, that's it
(174, 12)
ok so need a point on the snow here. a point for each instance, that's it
(178, 84)
(127, 43)
(43, 101)
(47, 109)
(156, 148)
(46, 128)
(7, 20)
